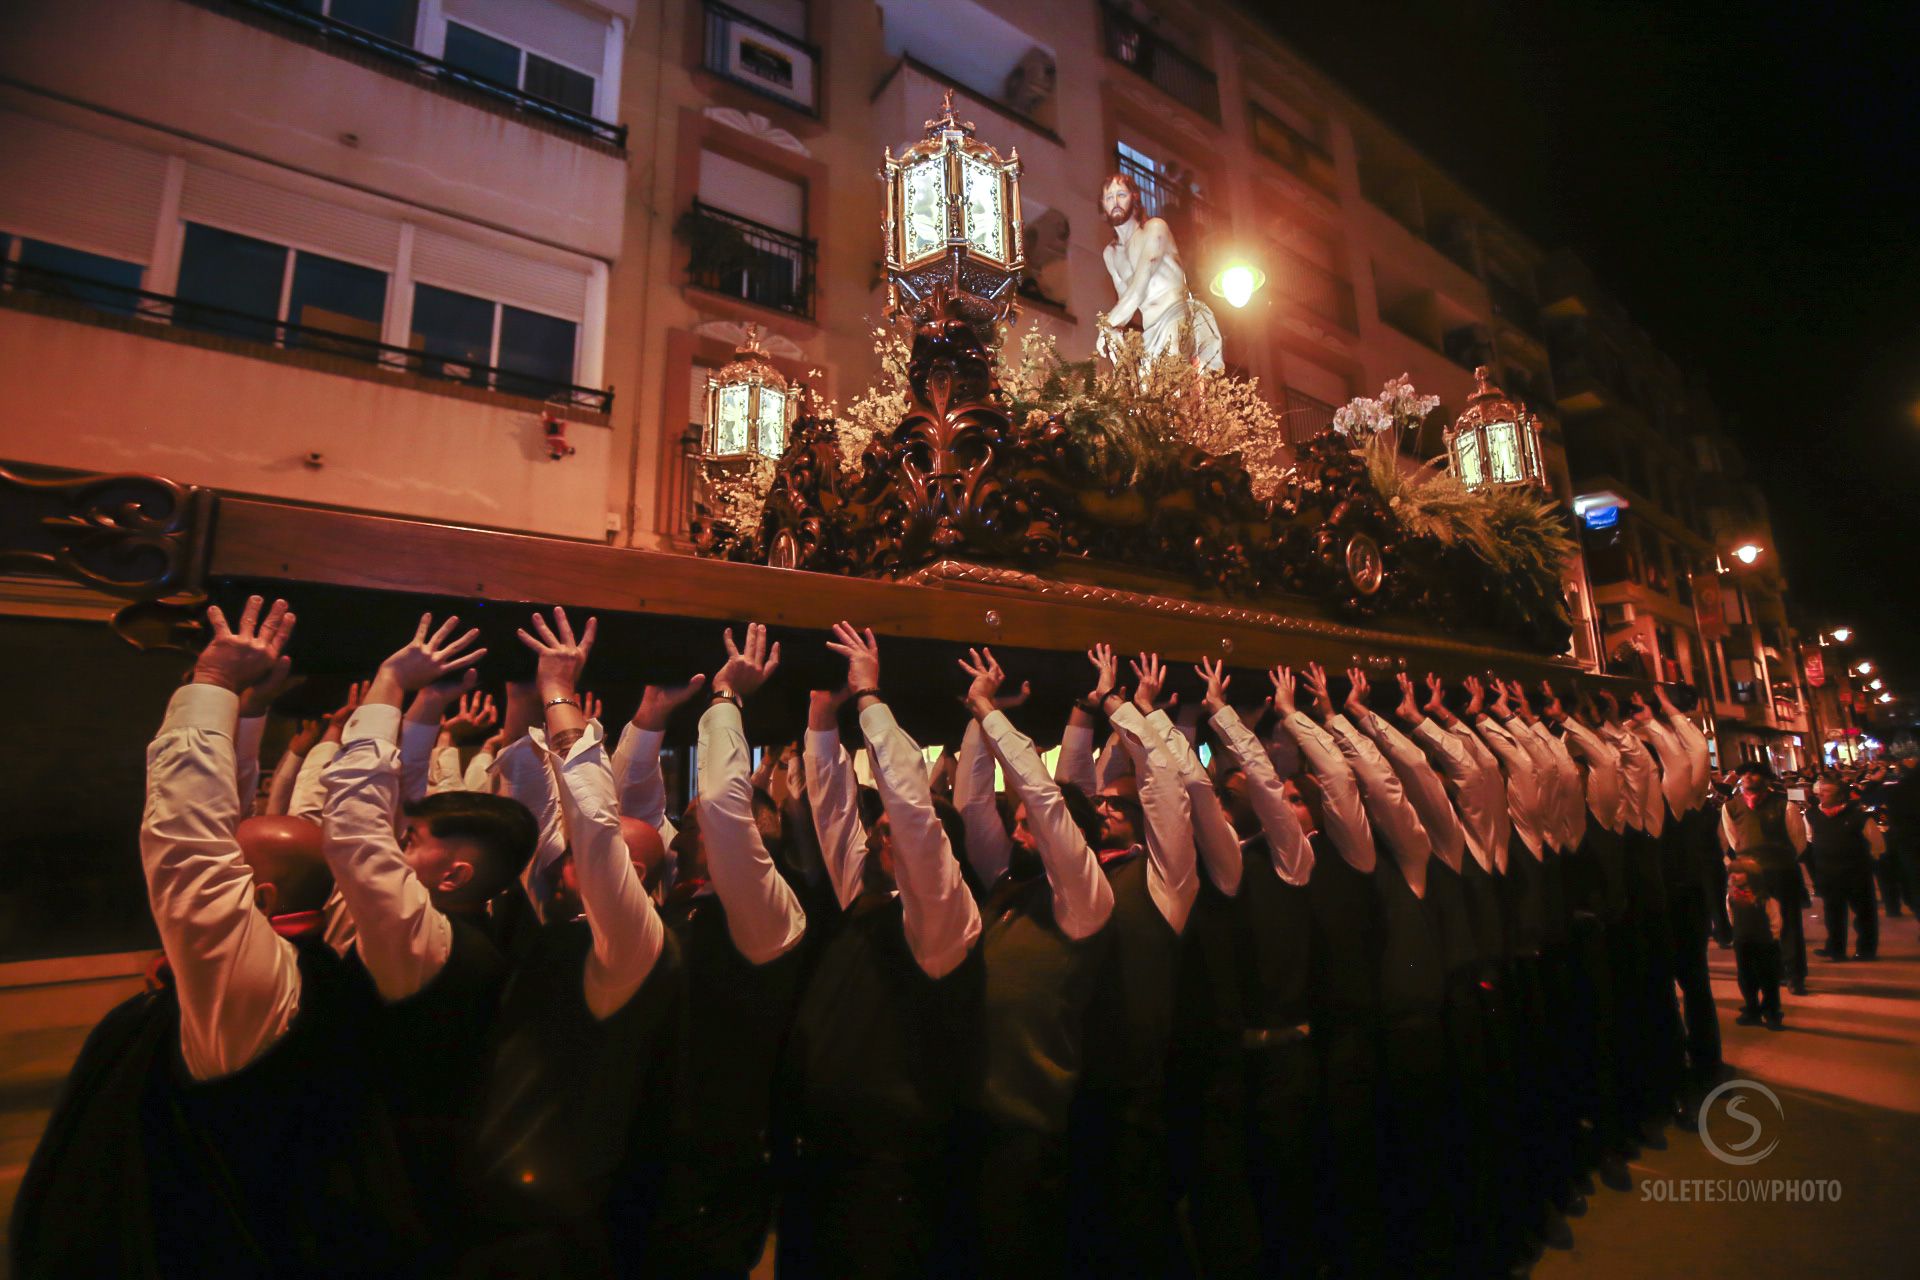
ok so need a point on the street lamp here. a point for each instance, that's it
(1862, 668)
(1494, 441)
(749, 405)
(1747, 552)
(1885, 697)
(953, 222)
(1843, 634)
(1876, 684)
(1237, 282)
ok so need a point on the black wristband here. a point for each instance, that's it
(858, 694)
(1087, 705)
(728, 695)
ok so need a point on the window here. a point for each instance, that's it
(497, 60)
(256, 285)
(389, 19)
(533, 352)
(71, 271)
(747, 234)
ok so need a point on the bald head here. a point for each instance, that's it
(284, 854)
(645, 849)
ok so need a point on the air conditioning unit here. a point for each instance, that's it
(1030, 84)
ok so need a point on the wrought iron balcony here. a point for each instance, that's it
(750, 260)
(1305, 416)
(1156, 59)
(1292, 150)
(341, 37)
(1188, 215)
(760, 57)
(116, 305)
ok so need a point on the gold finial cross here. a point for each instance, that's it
(946, 119)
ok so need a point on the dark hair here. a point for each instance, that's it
(1081, 811)
(502, 830)
(867, 801)
(1683, 696)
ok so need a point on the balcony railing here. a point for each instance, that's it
(109, 300)
(749, 260)
(760, 57)
(1305, 416)
(1315, 288)
(1154, 58)
(1188, 215)
(330, 33)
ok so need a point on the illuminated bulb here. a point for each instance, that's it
(1746, 553)
(1843, 634)
(1877, 684)
(1886, 697)
(1238, 283)
(1865, 669)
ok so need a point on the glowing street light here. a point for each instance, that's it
(1843, 634)
(1237, 282)
(1747, 552)
(1863, 669)
(1885, 697)
(1877, 684)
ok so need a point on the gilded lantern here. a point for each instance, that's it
(1494, 442)
(953, 222)
(749, 405)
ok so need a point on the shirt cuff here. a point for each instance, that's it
(416, 737)
(590, 737)
(378, 722)
(202, 706)
(876, 725)
(722, 714)
(824, 744)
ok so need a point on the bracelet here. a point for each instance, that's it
(561, 702)
(858, 694)
(728, 695)
(1087, 705)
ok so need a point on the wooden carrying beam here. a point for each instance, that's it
(950, 601)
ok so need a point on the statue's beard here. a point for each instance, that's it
(1121, 214)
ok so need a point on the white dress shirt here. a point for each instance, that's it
(1501, 829)
(309, 795)
(833, 795)
(1387, 805)
(1478, 791)
(1639, 778)
(479, 775)
(1213, 833)
(989, 847)
(1341, 809)
(1525, 793)
(1693, 744)
(1172, 879)
(238, 982)
(1423, 787)
(636, 769)
(1552, 794)
(1605, 798)
(941, 921)
(402, 938)
(627, 932)
(1082, 898)
(1287, 844)
(246, 753)
(1570, 797)
(520, 772)
(417, 741)
(280, 786)
(444, 772)
(763, 916)
(1676, 768)
(1075, 763)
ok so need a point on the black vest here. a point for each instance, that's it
(287, 1167)
(1130, 1023)
(1487, 920)
(737, 1016)
(1347, 937)
(1039, 983)
(1524, 900)
(1413, 957)
(1556, 915)
(1273, 944)
(882, 1055)
(1452, 915)
(1837, 846)
(571, 1099)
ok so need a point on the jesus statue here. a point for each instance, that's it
(1145, 265)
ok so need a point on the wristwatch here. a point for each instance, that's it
(728, 695)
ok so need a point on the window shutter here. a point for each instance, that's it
(766, 198)
(551, 30)
(232, 203)
(486, 272)
(77, 189)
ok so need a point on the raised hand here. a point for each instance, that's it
(658, 702)
(1437, 699)
(433, 654)
(1666, 704)
(306, 737)
(259, 698)
(1501, 707)
(1641, 711)
(590, 706)
(1550, 705)
(1476, 696)
(1018, 698)
(1107, 669)
(1214, 672)
(1357, 690)
(1612, 705)
(1317, 686)
(1148, 679)
(472, 717)
(862, 653)
(986, 680)
(745, 670)
(1409, 707)
(1518, 695)
(237, 658)
(561, 657)
(1283, 684)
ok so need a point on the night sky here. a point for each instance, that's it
(1747, 182)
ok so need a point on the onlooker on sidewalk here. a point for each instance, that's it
(1839, 850)
(1758, 823)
